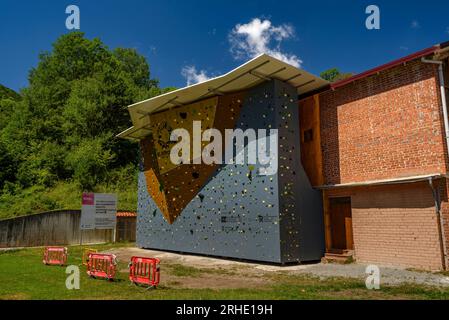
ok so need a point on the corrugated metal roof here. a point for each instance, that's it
(248, 75)
(409, 179)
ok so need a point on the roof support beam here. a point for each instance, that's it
(277, 71)
(234, 79)
(305, 84)
(294, 77)
(267, 77)
(260, 75)
(171, 101)
(217, 92)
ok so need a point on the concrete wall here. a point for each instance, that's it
(49, 228)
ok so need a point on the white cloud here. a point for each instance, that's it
(194, 76)
(415, 24)
(260, 36)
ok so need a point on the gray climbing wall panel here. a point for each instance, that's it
(239, 213)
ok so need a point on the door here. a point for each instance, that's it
(341, 224)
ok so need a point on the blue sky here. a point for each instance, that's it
(174, 35)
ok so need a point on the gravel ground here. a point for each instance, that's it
(389, 275)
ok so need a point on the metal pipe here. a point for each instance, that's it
(443, 98)
(437, 199)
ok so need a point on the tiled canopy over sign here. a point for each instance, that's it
(229, 210)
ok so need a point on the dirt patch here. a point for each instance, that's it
(207, 281)
(16, 296)
(194, 272)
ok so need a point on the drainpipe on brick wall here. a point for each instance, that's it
(437, 199)
(446, 137)
(443, 97)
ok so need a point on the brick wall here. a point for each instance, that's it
(382, 127)
(395, 225)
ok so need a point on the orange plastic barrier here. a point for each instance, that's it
(102, 265)
(144, 271)
(55, 256)
(86, 253)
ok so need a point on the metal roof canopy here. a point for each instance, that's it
(254, 72)
(409, 179)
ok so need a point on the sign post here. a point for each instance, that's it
(99, 211)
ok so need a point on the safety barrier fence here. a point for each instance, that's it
(144, 271)
(102, 265)
(55, 256)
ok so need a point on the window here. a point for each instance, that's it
(308, 135)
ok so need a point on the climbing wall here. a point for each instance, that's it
(301, 210)
(172, 186)
(230, 210)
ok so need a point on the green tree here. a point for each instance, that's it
(63, 125)
(90, 161)
(8, 166)
(8, 99)
(6, 93)
(333, 75)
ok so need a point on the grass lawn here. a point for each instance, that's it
(23, 276)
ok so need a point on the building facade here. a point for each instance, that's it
(382, 163)
(362, 166)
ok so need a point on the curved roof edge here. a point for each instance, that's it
(250, 74)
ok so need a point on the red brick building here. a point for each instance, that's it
(376, 146)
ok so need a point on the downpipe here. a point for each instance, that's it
(435, 191)
(437, 199)
(443, 97)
